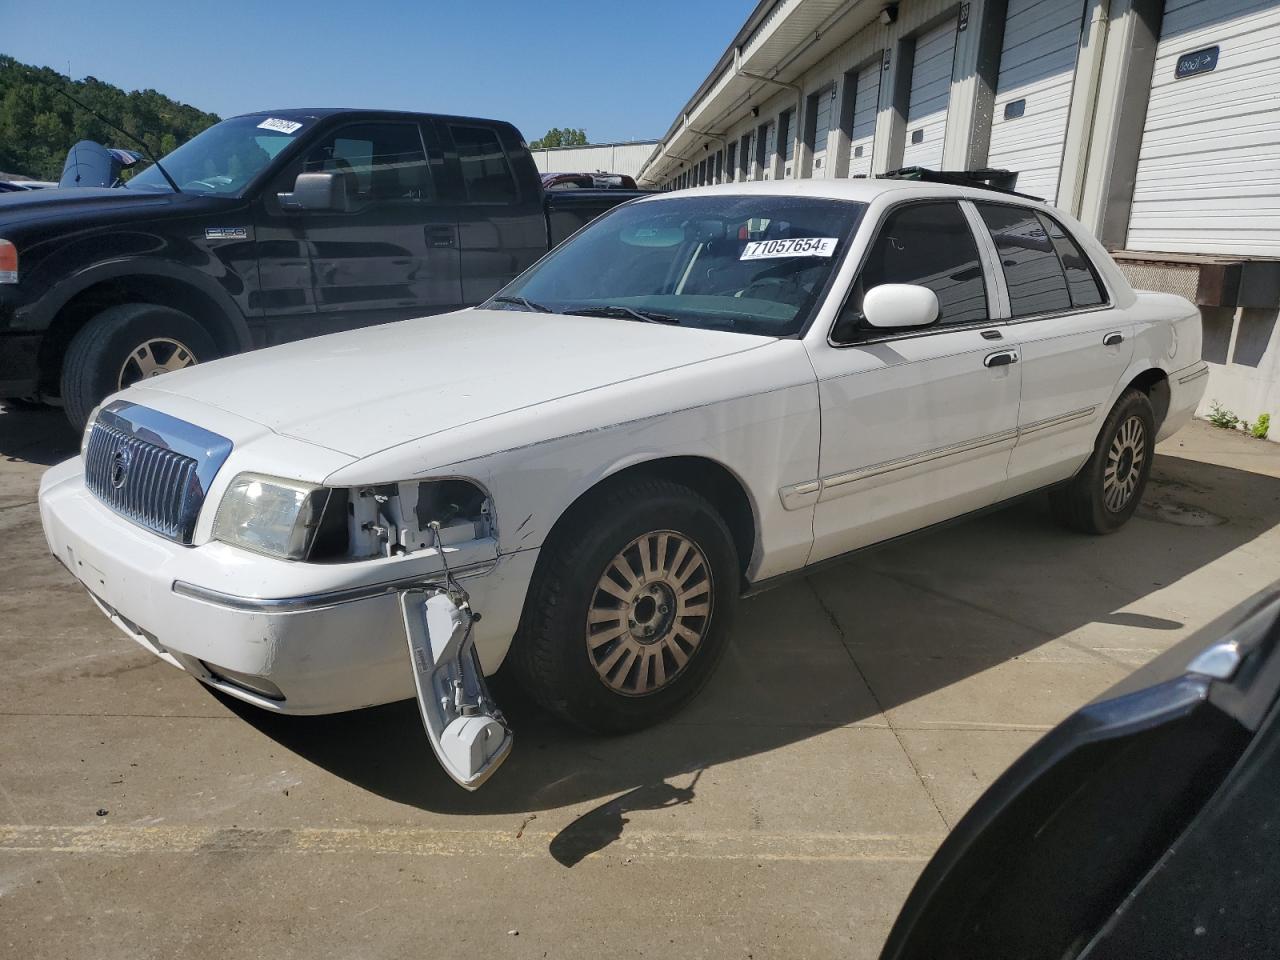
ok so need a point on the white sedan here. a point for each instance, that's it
(700, 393)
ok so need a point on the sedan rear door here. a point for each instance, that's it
(1074, 345)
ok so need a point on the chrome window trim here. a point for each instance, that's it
(922, 331)
(1108, 295)
(998, 304)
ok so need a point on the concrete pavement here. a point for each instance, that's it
(786, 813)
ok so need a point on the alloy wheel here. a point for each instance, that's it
(649, 613)
(1124, 464)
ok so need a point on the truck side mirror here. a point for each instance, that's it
(317, 191)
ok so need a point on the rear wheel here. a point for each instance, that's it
(124, 345)
(629, 608)
(1106, 491)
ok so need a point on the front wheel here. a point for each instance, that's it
(124, 345)
(629, 608)
(1106, 491)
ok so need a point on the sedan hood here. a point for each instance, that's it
(366, 390)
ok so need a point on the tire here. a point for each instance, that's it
(1105, 493)
(647, 681)
(101, 358)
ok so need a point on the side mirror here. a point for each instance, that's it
(900, 305)
(317, 191)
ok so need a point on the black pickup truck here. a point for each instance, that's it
(283, 224)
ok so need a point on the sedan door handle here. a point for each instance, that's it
(1001, 358)
(1115, 338)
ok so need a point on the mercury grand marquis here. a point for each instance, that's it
(700, 393)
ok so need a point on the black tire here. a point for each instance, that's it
(1088, 503)
(550, 656)
(92, 368)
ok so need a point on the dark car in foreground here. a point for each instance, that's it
(1145, 825)
(266, 228)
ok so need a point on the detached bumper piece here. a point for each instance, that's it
(467, 731)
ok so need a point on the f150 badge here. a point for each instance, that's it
(226, 233)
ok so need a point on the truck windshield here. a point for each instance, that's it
(751, 264)
(222, 159)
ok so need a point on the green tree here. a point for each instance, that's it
(555, 137)
(37, 126)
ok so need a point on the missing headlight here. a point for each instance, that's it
(395, 519)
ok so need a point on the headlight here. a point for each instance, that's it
(88, 428)
(271, 515)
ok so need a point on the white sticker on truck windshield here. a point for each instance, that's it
(792, 247)
(280, 126)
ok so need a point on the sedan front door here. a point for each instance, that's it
(917, 425)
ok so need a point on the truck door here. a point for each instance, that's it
(502, 228)
(393, 253)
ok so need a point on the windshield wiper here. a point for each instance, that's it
(626, 313)
(522, 302)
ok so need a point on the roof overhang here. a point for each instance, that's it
(779, 42)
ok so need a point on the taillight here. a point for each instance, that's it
(8, 262)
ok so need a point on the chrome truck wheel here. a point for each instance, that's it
(154, 357)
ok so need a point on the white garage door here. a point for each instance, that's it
(866, 106)
(930, 96)
(1208, 176)
(821, 127)
(1033, 91)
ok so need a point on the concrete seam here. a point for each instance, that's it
(835, 624)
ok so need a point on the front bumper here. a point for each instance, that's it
(325, 648)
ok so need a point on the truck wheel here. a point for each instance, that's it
(1105, 493)
(125, 344)
(630, 607)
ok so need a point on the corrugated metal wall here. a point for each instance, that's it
(625, 158)
(1033, 91)
(1208, 178)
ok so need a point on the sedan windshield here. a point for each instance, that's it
(752, 264)
(222, 159)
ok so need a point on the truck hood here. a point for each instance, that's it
(83, 203)
(366, 390)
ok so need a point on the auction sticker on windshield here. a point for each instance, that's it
(793, 247)
(280, 126)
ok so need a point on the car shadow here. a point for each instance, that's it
(41, 435)
(830, 649)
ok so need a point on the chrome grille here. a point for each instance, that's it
(151, 468)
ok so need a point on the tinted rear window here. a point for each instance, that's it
(1082, 282)
(1031, 267)
(486, 172)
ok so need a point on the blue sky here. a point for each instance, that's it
(619, 71)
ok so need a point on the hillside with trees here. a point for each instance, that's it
(37, 126)
(555, 137)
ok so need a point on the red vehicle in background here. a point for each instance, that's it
(588, 181)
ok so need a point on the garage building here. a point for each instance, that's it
(1154, 122)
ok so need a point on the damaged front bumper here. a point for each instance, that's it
(287, 637)
(467, 731)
